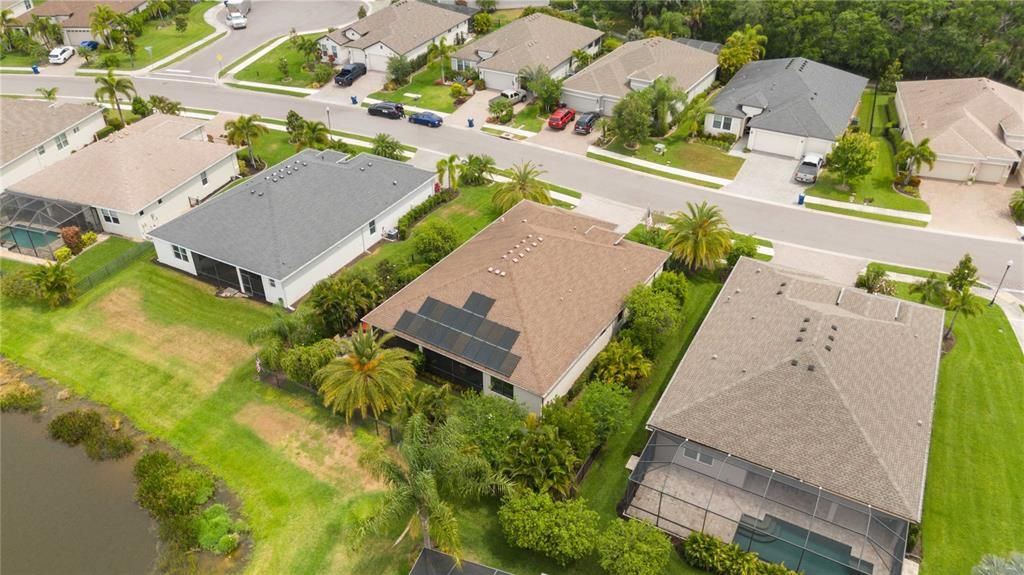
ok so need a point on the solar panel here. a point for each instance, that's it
(478, 303)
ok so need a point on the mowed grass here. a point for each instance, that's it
(266, 69)
(163, 37)
(694, 157)
(271, 148)
(652, 171)
(875, 187)
(867, 215)
(99, 255)
(159, 347)
(432, 97)
(881, 117)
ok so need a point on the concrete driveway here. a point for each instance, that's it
(475, 107)
(565, 140)
(979, 209)
(368, 84)
(767, 177)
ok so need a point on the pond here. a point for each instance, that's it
(64, 513)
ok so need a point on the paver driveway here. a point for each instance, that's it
(979, 209)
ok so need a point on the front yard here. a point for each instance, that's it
(163, 38)
(266, 70)
(529, 118)
(432, 97)
(693, 157)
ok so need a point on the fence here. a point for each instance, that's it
(92, 280)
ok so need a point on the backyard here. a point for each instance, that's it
(691, 156)
(267, 71)
(163, 38)
(882, 110)
(432, 97)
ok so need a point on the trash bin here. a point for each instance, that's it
(470, 121)
(355, 100)
(35, 68)
(800, 200)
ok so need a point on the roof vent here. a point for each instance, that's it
(835, 327)
(807, 320)
(274, 179)
(394, 182)
(540, 239)
(799, 338)
(810, 367)
(803, 329)
(524, 221)
(502, 274)
(714, 356)
(778, 292)
(738, 290)
(828, 348)
(515, 260)
(304, 163)
(362, 168)
(529, 236)
(260, 194)
(252, 191)
(369, 164)
(757, 271)
(496, 271)
(783, 284)
(527, 249)
(490, 269)
(793, 362)
(831, 338)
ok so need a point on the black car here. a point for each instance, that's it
(586, 122)
(349, 73)
(391, 110)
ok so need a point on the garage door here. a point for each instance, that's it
(498, 80)
(580, 102)
(608, 106)
(776, 143)
(357, 56)
(994, 173)
(378, 62)
(949, 170)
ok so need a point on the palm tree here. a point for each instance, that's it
(1017, 205)
(308, 47)
(699, 239)
(55, 282)
(314, 134)
(581, 59)
(961, 302)
(665, 99)
(6, 21)
(622, 362)
(875, 280)
(691, 119)
(477, 170)
(243, 130)
(50, 94)
(523, 184)
(432, 468)
(386, 146)
(529, 75)
(285, 331)
(47, 30)
(101, 23)
(455, 168)
(366, 376)
(931, 289)
(913, 157)
(440, 49)
(110, 87)
(342, 300)
(159, 7)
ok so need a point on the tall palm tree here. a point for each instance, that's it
(665, 98)
(581, 59)
(455, 168)
(366, 376)
(159, 7)
(110, 87)
(243, 130)
(6, 21)
(55, 282)
(440, 49)
(101, 23)
(529, 75)
(47, 30)
(691, 119)
(314, 134)
(431, 470)
(50, 94)
(523, 184)
(962, 302)
(442, 170)
(478, 169)
(700, 238)
(309, 48)
(913, 157)
(931, 289)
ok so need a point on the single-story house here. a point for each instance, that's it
(633, 67)
(35, 134)
(975, 126)
(405, 28)
(534, 40)
(788, 106)
(17, 7)
(524, 306)
(275, 236)
(141, 177)
(797, 425)
(75, 16)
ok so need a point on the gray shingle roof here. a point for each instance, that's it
(800, 97)
(537, 39)
(858, 424)
(707, 46)
(274, 228)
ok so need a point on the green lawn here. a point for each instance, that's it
(272, 148)
(530, 118)
(652, 171)
(279, 92)
(499, 133)
(881, 111)
(202, 46)
(867, 215)
(265, 69)
(432, 97)
(162, 36)
(694, 157)
(160, 348)
(100, 255)
(10, 266)
(974, 498)
(19, 60)
(908, 270)
(876, 187)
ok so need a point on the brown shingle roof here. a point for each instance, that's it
(401, 26)
(560, 295)
(24, 124)
(130, 169)
(76, 13)
(858, 424)
(530, 41)
(644, 60)
(964, 117)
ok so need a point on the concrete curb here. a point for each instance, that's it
(868, 209)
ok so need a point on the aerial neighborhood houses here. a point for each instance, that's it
(35, 134)
(74, 16)
(405, 28)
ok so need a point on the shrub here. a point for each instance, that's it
(361, 13)
(632, 547)
(672, 283)
(490, 422)
(622, 361)
(387, 146)
(742, 245)
(21, 397)
(109, 61)
(420, 211)
(140, 107)
(108, 444)
(399, 70)
(480, 84)
(63, 255)
(72, 237)
(88, 239)
(652, 314)
(434, 240)
(457, 90)
(18, 287)
(1017, 205)
(105, 131)
(711, 554)
(648, 236)
(875, 280)
(75, 426)
(565, 531)
(216, 531)
(181, 24)
(605, 401)
(169, 489)
(501, 110)
(322, 74)
(483, 23)
(301, 362)
(541, 460)
(574, 424)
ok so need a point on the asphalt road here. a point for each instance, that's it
(857, 237)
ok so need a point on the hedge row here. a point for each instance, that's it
(420, 211)
(711, 554)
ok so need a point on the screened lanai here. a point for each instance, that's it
(682, 486)
(31, 225)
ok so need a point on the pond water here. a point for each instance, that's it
(64, 513)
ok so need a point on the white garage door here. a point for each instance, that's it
(776, 143)
(994, 173)
(579, 102)
(949, 170)
(356, 56)
(498, 80)
(378, 62)
(608, 106)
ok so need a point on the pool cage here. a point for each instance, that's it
(682, 486)
(31, 225)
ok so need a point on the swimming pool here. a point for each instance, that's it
(28, 237)
(778, 541)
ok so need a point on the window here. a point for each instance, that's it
(28, 4)
(698, 456)
(41, 150)
(272, 282)
(180, 253)
(203, 177)
(74, 130)
(503, 388)
(109, 216)
(373, 226)
(722, 122)
(61, 141)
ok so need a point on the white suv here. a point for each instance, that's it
(61, 54)
(237, 21)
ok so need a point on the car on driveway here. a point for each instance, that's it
(586, 122)
(89, 45)
(809, 168)
(561, 117)
(349, 73)
(61, 54)
(514, 96)
(426, 119)
(392, 110)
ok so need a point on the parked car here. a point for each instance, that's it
(426, 119)
(514, 96)
(392, 110)
(237, 21)
(241, 6)
(61, 54)
(349, 73)
(89, 45)
(585, 123)
(810, 166)
(561, 117)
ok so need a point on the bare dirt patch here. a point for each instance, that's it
(331, 455)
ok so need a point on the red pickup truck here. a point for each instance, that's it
(561, 118)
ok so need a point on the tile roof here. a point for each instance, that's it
(402, 26)
(274, 228)
(799, 96)
(559, 295)
(131, 168)
(964, 117)
(76, 13)
(643, 60)
(857, 425)
(24, 124)
(537, 39)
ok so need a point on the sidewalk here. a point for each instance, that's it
(658, 167)
(853, 206)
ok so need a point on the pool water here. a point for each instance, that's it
(778, 541)
(28, 237)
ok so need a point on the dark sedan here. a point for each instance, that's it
(392, 110)
(426, 119)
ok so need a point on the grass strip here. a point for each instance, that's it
(267, 90)
(194, 50)
(230, 67)
(653, 172)
(501, 134)
(866, 215)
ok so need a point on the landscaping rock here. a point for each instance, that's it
(64, 395)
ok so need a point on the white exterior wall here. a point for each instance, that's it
(580, 365)
(175, 203)
(18, 7)
(165, 255)
(736, 128)
(31, 162)
(375, 57)
(817, 146)
(702, 85)
(992, 172)
(330, 47)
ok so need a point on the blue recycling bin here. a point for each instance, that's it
(470, 121)
(800, 200)
(35, 68)
(355, 100)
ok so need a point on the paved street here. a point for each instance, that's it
(856, 237)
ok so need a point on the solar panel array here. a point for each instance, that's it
(478, 303)
(463, 333)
